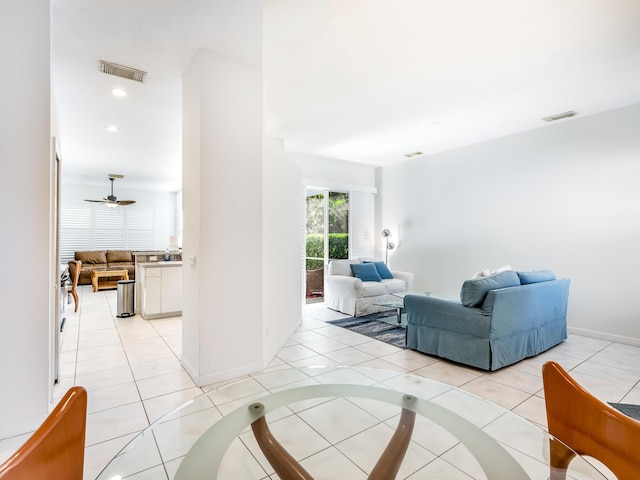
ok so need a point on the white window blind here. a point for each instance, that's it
(75, 231)
(96, 227)
(140, 229)
(360, 224)
(109, 229)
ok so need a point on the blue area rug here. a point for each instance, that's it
(628, 409)
(375, 326)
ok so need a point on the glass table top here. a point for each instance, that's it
(336, 422)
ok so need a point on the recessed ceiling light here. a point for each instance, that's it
(118, 92)
(111, 128)
(560, 116)
(413, 154)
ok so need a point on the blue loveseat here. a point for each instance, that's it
(499, 320)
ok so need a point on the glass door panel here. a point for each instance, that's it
(338, 225)
(327, 236)
(315, 245)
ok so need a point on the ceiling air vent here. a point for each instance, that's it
(559, 116)
(122, 71)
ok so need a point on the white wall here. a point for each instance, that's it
(25, 149)
(165, 205)
(563, 197)
(222, 205)
(282, 248)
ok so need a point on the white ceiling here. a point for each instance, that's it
(360, 80)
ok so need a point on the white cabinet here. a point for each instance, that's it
(172, 289)
(161, 289)
(151, 291)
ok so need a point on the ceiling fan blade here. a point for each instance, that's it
(112, 200)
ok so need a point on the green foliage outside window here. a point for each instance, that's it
(338, 248)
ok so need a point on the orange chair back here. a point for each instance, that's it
(56, 449)
(589, 426)
(74, 284)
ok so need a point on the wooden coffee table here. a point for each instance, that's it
(111, 276)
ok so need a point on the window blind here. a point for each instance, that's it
(360, 224)
(96, 227)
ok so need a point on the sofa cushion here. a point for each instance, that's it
(383, 270)
(119, 256)
(98, 256)
(536, 276)
(367, 272)
(373, 289)
(394, 285)
(473, 291)
(341, 267)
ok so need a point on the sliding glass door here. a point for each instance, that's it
(327, 235)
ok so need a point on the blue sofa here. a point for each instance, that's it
(499, 320)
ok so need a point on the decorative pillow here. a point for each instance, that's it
(367, 272)
(473, 291)
(487, 272)
(383, 270)
(341, 267)
(536, 276)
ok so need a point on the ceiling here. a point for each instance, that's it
(361, 80)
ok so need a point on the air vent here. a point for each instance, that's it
(559, 116)
(413, 154)
(122, 71)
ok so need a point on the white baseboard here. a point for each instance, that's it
(222, 375)
(604, 336)
(21, 427)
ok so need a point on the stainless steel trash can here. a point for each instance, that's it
(126, 290)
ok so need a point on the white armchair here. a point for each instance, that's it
(348, 294)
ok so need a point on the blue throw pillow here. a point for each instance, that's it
(536, 276)
(383, 270)
(366, 272)
(473, 291)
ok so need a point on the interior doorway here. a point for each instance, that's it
(327, 236)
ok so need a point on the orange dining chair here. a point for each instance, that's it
(74, 284)
(56, 449)
(588, 426)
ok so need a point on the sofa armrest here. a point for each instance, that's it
(444, 314)
(343, 285)
(407, 277)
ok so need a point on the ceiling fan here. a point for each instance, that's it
(112, 200)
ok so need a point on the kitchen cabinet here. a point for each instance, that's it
(161, 289)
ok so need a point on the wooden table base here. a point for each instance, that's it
(112, 278)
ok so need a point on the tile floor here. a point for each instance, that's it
(132, 371)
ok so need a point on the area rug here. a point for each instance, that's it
(375, 326)
(628, 409)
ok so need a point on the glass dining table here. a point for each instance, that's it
(339, 423)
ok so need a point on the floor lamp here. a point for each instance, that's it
(390, 245)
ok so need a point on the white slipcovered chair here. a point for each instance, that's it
(346, 293)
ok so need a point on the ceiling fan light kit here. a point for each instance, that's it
(112, 201)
